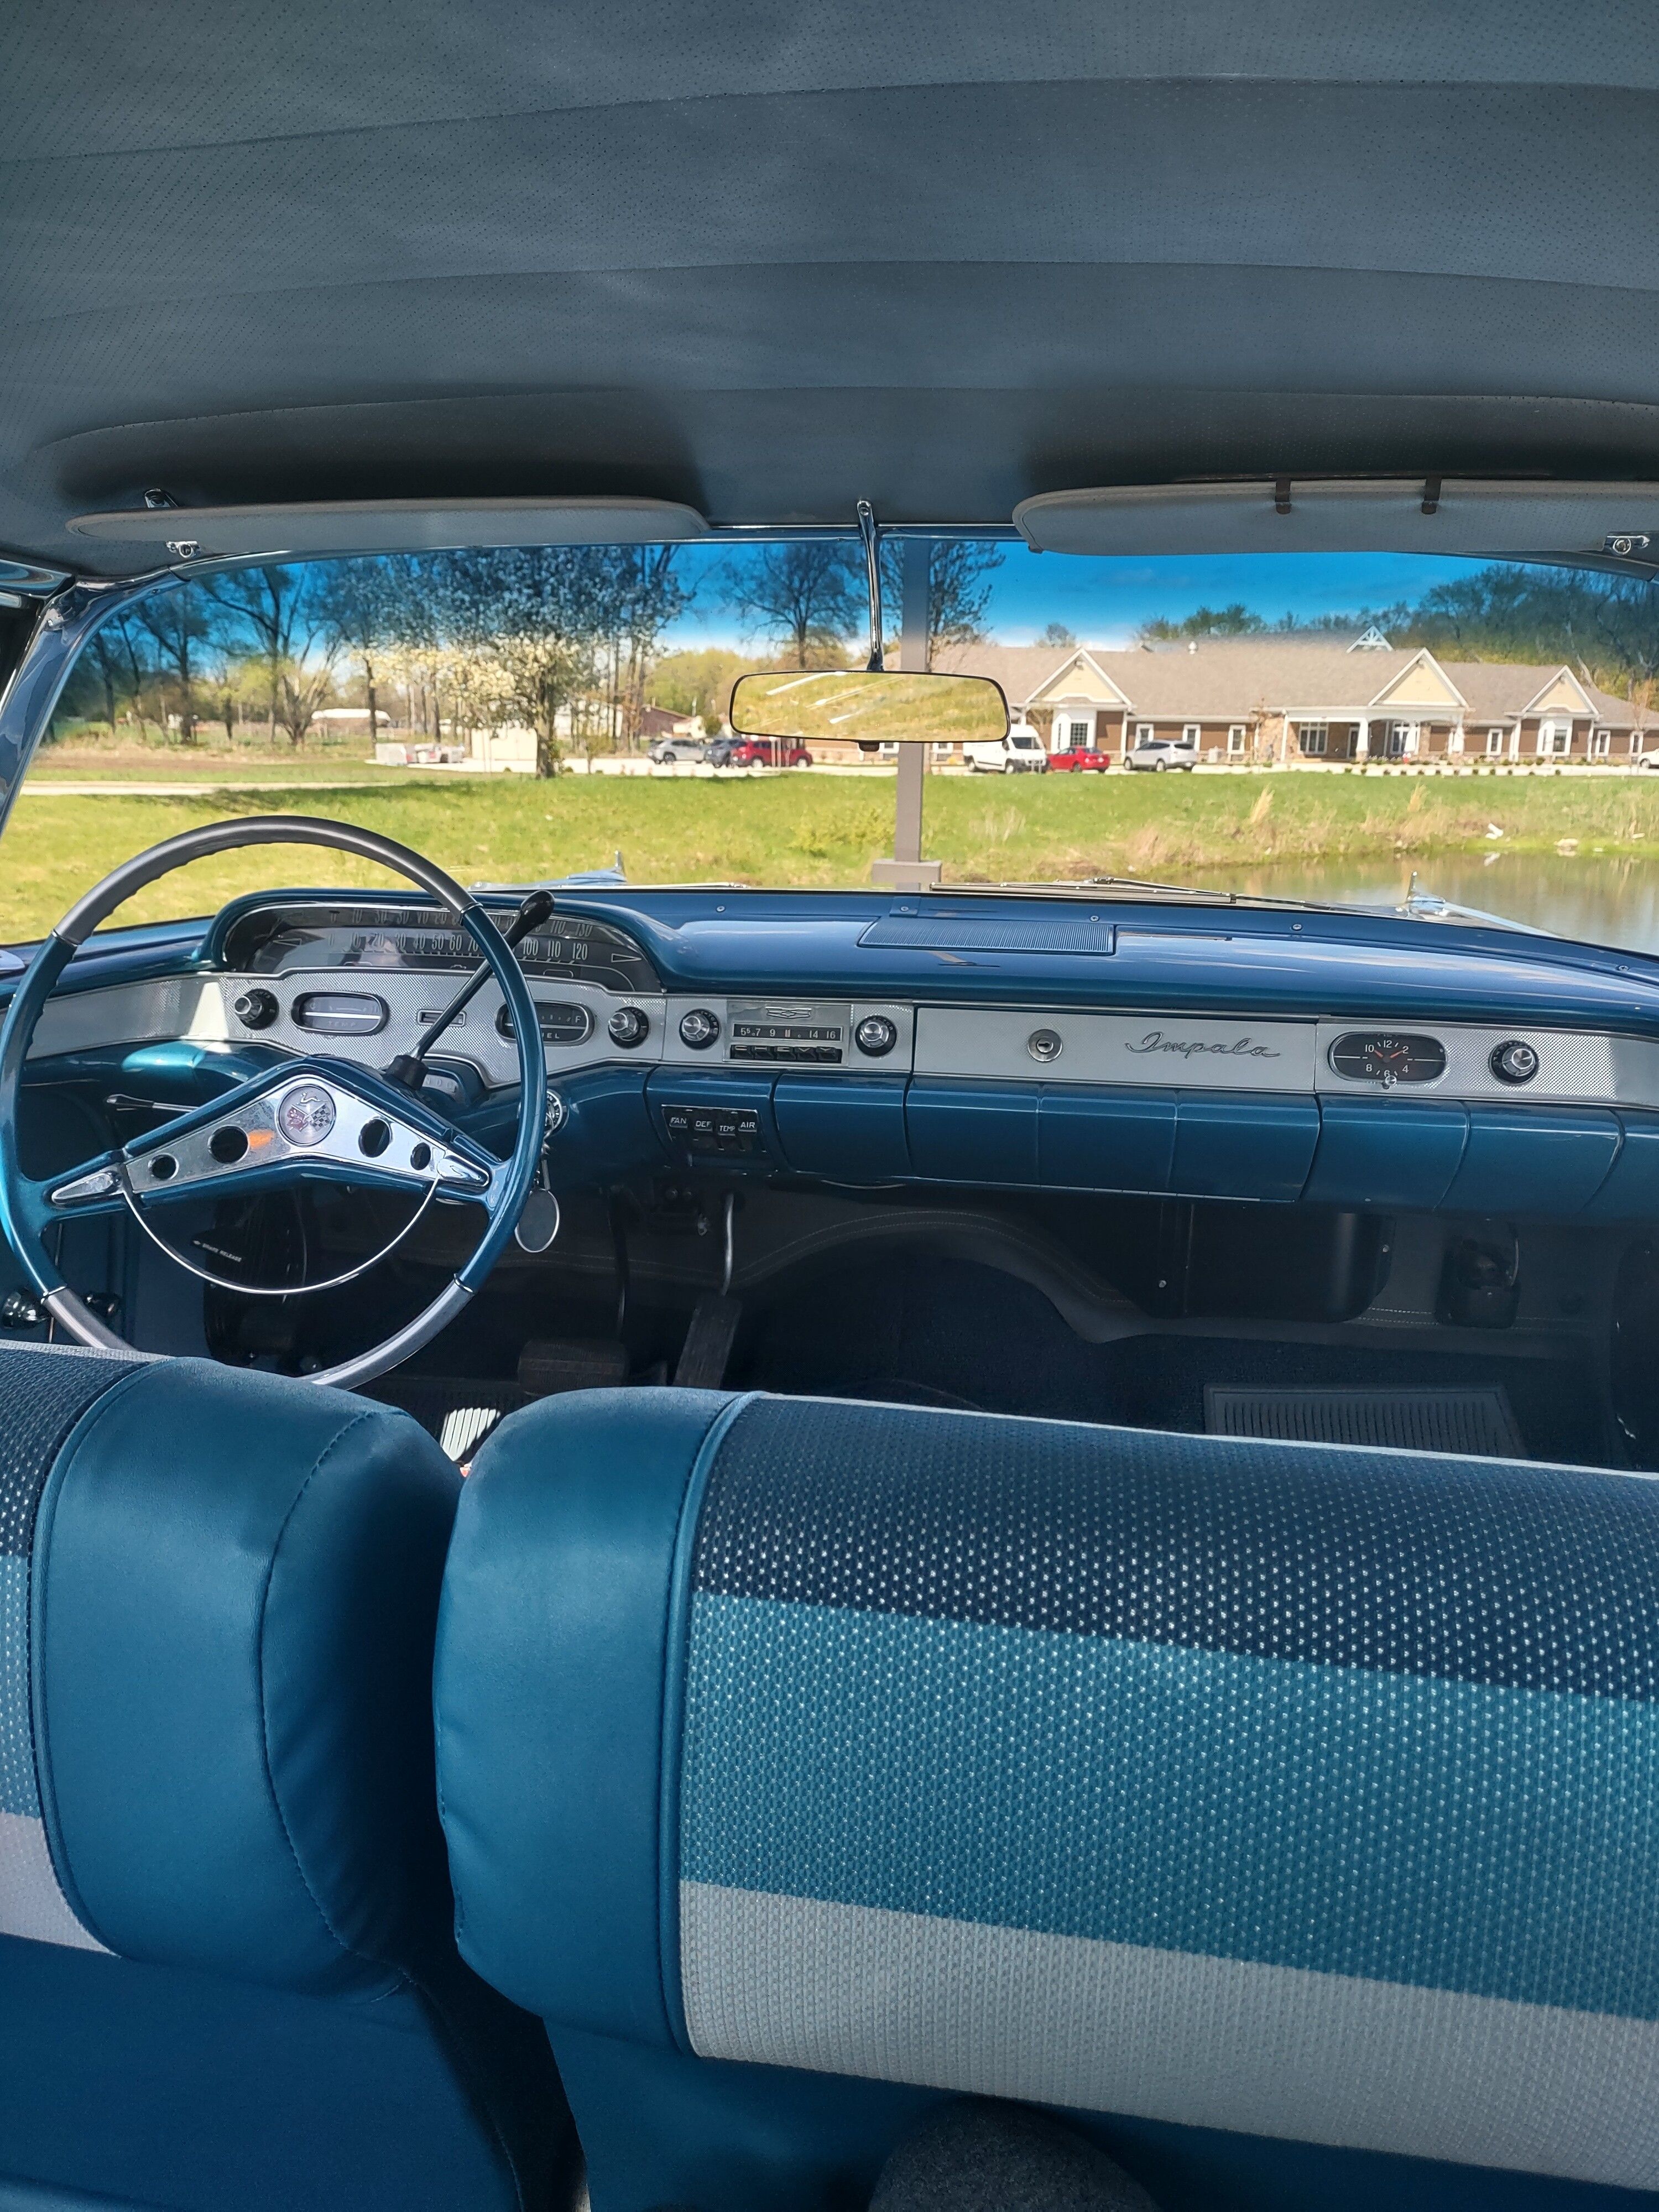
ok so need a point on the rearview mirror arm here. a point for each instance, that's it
(869, 532)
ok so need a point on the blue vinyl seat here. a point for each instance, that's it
(228, 1979)
(1286, 1816)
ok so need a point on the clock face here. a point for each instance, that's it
(307, 1114)
(1388, 1057)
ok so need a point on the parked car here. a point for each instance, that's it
(1021, 752)
(1075, 760)
(769, 752)
(668, 751)
(1161, 753)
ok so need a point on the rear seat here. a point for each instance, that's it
(1290, 1811)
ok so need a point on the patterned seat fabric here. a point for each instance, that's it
(1291, 1792)
(40, 1402)
(227, 1977)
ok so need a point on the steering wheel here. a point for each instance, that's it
(312, 1117)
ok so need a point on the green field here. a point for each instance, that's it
(807, 830)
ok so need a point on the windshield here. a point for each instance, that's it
(1343, 723)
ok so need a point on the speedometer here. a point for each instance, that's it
(1388, 1057)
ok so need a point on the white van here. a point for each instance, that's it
(1020, 752)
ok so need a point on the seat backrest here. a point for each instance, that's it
(1293, 1810)
(227, 1975)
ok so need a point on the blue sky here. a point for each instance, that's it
(1104, 601)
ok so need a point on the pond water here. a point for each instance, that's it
(1597, 901)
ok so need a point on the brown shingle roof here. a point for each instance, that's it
(1231, 680)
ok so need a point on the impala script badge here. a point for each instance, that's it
(1241, 1048)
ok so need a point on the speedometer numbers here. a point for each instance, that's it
(1388, 1057)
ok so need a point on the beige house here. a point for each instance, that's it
(1288, 699)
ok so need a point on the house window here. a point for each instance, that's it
(1143, 733)
(1494, 741)
(1601, 744)
(1312, 737)
(1236, 740)
(1189, 733)
(1402, 739)
(1554, 738)
(1079, 733)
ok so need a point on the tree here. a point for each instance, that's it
(178, 622)
(959, 570)
(1607, 626)
(1058, 635)
(643, 597)
(279, 610)
(539, 613)
(1235, 621)
(366, 606)
(110, 662)
(807, 597)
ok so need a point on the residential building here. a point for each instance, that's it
(1289, 699)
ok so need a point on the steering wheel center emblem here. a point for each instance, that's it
(307, 1114)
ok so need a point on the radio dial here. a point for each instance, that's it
(698, 1028)
(876, 1035)
(1515, 1062)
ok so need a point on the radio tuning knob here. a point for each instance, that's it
(257, 1009)
(699, 1028)
(876, 1035)
(627, 1027)
(1514, 1061)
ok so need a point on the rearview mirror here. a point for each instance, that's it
(869, 706)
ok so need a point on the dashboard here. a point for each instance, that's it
(1001, 1042)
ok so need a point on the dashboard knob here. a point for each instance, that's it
(876, 1035)
(627, 1027)
(1514, 1061)
(257, 1009)
(699, 1028)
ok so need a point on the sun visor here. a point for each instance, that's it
(391, 525)
(1287, 514)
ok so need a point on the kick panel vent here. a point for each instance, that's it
(1478, 1423)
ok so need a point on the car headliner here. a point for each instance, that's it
(767, 257)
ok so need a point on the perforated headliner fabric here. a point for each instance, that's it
(767, 256)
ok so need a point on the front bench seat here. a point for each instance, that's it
(227, 1977)
(1291, 1813)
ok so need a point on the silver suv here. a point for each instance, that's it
(1159, 753)
(668, 750)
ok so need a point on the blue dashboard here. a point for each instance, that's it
(990, 1041)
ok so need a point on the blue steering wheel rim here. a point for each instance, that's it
(502, 1204)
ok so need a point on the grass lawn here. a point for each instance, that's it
(805, 830)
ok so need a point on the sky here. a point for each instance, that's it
(1104, 600)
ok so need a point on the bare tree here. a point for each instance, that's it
(806, 596)
(266, 604)
(177, 622)
(959, 572)
(370, 608)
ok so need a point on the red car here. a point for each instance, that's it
(769, 752)
(1078, 758)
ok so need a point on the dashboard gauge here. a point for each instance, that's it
(1387, 1057)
